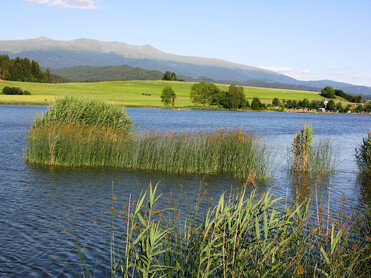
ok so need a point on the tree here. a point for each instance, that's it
(328, 92)
(236, 97)
(204, 93)
(256, 104)
(168, 96)
(331, 105)
(339, 106)
(170, 76)
(314, 105)
(276, 102)
(14, 91)
(304, 103)
(359, 108)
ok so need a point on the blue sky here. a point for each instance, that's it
(305, 39)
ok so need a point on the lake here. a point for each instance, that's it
(38, 203)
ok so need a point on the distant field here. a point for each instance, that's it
(129, 93)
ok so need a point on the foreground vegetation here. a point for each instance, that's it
(243, 235)
(363, 156)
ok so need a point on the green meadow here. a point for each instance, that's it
(130, 93)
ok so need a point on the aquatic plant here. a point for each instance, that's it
(243, 235)
(309, 157)
(83, 132)
(73, 111)
(231, 152)
(363, 155)
(301, 148)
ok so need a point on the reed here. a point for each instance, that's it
(234, 153)
(363, 155)
(309, 157)
(73, 111)
(83, 132)
(243, 235)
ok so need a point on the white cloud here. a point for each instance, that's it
(334, 68)
(306, 71)
(278, 69)
(73, 4)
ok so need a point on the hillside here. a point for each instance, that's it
(82, 52)
(106, 73)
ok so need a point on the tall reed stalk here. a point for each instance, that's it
(363, 155)
(232, 152)
(243, 235)
(309, 157)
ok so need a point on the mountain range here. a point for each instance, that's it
(86, 52)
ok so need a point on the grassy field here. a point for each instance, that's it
(129, 93)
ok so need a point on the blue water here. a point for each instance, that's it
(38, 203)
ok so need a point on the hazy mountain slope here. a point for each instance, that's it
(82, 52)
(106, 73)
(57, 54)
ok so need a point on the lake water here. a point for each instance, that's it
(38, 203)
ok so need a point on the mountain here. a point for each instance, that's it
(83, 52)
(106, 73)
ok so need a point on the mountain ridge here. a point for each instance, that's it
(82, 52)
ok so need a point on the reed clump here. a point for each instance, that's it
(76, 132)
(73, 111)
(243, 235)
(309, 157)
(231, 152)
(363, 155)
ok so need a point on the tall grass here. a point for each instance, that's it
(73, 111)
(83, 132)
(309, 157)
(363, 155)
(243, 235)
(232, 152)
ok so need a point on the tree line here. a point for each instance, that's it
(208, 94)
(204, 93)
(22, 69)
(329, 92)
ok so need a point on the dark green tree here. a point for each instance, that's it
(304, 103)
(359, 108)
(314, 105)
(168, 96)
(256, 104)
(276, 102)
(368, 107)
(328, 92)
(236, 97)
(331, 105)
(339, 106)
(204, 93)
(170, 76)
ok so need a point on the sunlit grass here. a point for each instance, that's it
(129, 93)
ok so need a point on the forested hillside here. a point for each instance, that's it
(22, 69)
(107, 73)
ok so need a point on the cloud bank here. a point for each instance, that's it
(72, 4)
(283, 70)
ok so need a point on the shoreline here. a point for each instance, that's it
(188, 108)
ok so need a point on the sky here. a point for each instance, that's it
(304, 39)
